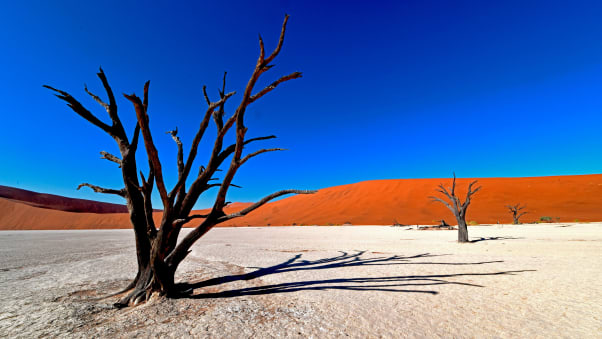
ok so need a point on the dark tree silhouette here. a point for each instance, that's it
(516, 212)
(456, 206)
(158, 251)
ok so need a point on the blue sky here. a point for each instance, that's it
(400, 89)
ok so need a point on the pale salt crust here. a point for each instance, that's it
(525, 281)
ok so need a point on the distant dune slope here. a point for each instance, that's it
(56, 202)
(15, 215)
(377, 202)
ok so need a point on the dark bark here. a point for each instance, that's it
(516, 212)
(157, 249)
(456, 206)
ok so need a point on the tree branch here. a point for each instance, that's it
(443, 190)
(261, 49)
(230, 149)
(134, 145)
(112, 103)
(249, 156)
(99, 189)
(81, 110)
(181, 222)
(295, 75)
(174, 136)
(444, 203)
(206, 96)
(110, 157)
(97, 99)
(262, 202)
(280, 42)
(147, 190)
(151, 150)
(469, 194)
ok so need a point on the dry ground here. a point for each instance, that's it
(514, 281)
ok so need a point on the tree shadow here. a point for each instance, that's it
(386, 284)
(496, 238)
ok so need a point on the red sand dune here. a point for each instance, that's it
(377, 202)
(381, 202)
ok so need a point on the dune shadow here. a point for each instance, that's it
(407, 283)
(496, 238)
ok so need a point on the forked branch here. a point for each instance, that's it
(77, 107)
(262, 202)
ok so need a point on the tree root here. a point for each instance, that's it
(127, 288)
(140, 294)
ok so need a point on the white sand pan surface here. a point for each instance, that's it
(535, 281)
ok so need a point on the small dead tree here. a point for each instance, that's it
(157, 248)
(456, 206)
(516, 212)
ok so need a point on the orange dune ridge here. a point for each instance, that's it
(382, 202)
(377, 202)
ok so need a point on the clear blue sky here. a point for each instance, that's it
(400, 89)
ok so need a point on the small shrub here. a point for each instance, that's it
(473, 223)
(545, 219)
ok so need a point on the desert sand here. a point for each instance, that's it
(376, 202)
(524, 281)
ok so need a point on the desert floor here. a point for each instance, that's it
(513, 281)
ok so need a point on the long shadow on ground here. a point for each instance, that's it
(387, 284)
(496, 238)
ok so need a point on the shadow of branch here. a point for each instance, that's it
(496, 238)
(387, 284)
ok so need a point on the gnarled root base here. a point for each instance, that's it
(148, 283)
(143, 287)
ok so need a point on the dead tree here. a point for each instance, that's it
(158, 251)
(456, 206)
(516, 212)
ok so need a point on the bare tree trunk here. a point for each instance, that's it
(462, 230)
